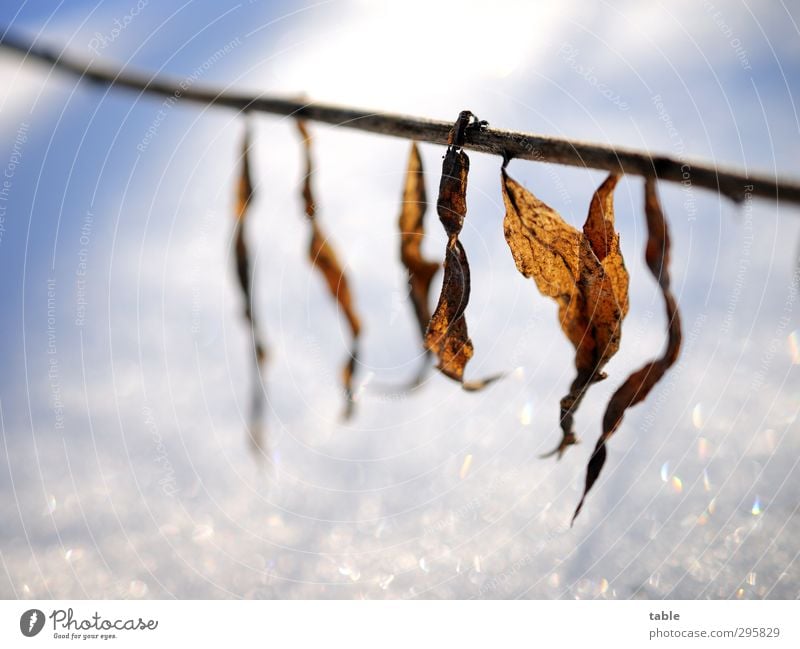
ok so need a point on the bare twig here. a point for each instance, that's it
(509, 144)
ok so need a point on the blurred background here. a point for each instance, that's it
(127, 470)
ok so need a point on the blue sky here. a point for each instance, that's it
(154, 381)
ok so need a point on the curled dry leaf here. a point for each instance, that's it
(244, 195)
(412, 231)
(583, 271)
(447, 335)
(323, 257)
(639, 384)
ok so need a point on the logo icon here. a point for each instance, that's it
(31, 622)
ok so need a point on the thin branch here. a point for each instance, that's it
(509, 144)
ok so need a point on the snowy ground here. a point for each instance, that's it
(126, 469)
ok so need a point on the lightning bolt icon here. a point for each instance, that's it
(32, 620)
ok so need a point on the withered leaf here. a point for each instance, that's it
(244, 195)
(412, 231)
(447, 335)
(639, 384)
(583, 271)
(452, 202)
(308, 196)
(323, 257)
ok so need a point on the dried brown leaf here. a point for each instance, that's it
(447, 336)
(244, 195)
(412, 231)
(308, 197)
(639, 384)
(323, 257)
(583, 271)
(452, 202)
